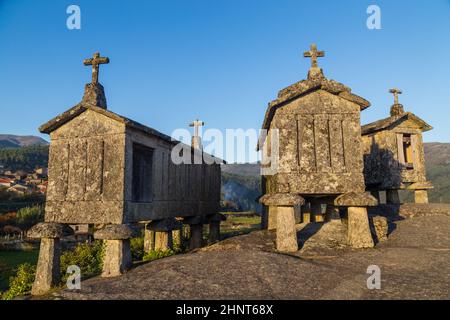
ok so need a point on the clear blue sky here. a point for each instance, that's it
(219, 60)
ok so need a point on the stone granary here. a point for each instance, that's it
(394, 156)
(112, 172)
(319, 157)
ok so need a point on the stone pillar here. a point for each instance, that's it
(163, 232)
(331, 213)
(316, 212)
(48, 266)
(358, 228)
(149, 239)
(359, 235)
(196, 240)
(392, 197)
(47, 270)
(163, 240)
(214, 226)
(420, 196)
(306, 213)
(272, 218)
(298, 214)
(196, 231)
(177, 238)
(117, 257)
(286, 232)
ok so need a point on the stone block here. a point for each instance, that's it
(117, 258)
(420, 196)
(359, 235)
(48, 266)
(286, 232)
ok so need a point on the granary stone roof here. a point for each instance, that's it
(310, 85)
(75, 111)
(393, 121)
(304, 87)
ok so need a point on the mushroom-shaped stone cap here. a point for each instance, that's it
(281, 199)
(164, 225)
(49, 230)
(216, 217)
(354, 199)
(116, 232)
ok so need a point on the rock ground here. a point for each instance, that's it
(414, 262)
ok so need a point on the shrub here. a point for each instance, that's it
(21, 283)
(89, 257)
(158, 254)
(137, 248)
(29, 216)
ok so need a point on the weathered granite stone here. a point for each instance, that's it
(163, 240)
(380, 225)
(359, 235)
(94, 95)
(177, 237)
(354, 199)
(149, 240)
(281, 199)
(117, 258)
(393, 151)
(48, 267)
(196, 239)
(116, 232)
(214, 227)
(272, 218)
(286, 232)
(168, 224)
(420, 196)
(49, 230)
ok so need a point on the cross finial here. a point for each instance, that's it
(95, 61)
(395, 92)
(196, 124)
(313, 54)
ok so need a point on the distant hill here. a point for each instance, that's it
(238, 180)
(13, 141)
(244, 169)
(24, 158)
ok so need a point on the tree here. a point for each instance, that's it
(29, 216)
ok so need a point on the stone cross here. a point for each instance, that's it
(196, 124)
(313, 54)
(96, 61)
(395, 92)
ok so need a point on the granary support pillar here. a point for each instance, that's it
(358, 228)
(421, 196)
(306, 213)
(149, 239)
(214, 226)
(196, 231)
(272, 217)
(392, 196)
(285, 230)
(163, 232)
(117, 257)
(316, 212)
(48, 267)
